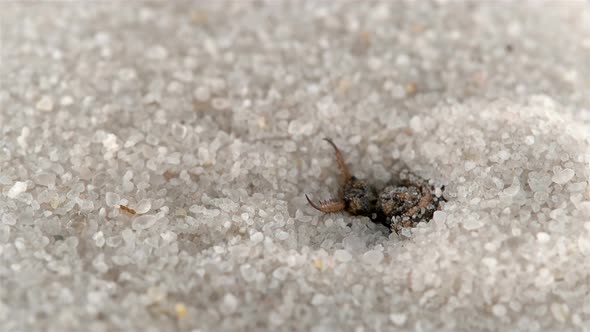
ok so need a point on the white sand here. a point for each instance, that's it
(208, 121)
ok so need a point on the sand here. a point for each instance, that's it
(154, 159)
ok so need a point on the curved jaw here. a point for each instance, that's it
(332, 205)
(328, 206)
(340, 160)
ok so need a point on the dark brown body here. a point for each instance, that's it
(396, 206)
(399, 205)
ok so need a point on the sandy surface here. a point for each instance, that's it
(207, 120)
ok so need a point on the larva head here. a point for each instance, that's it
(359, 198)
